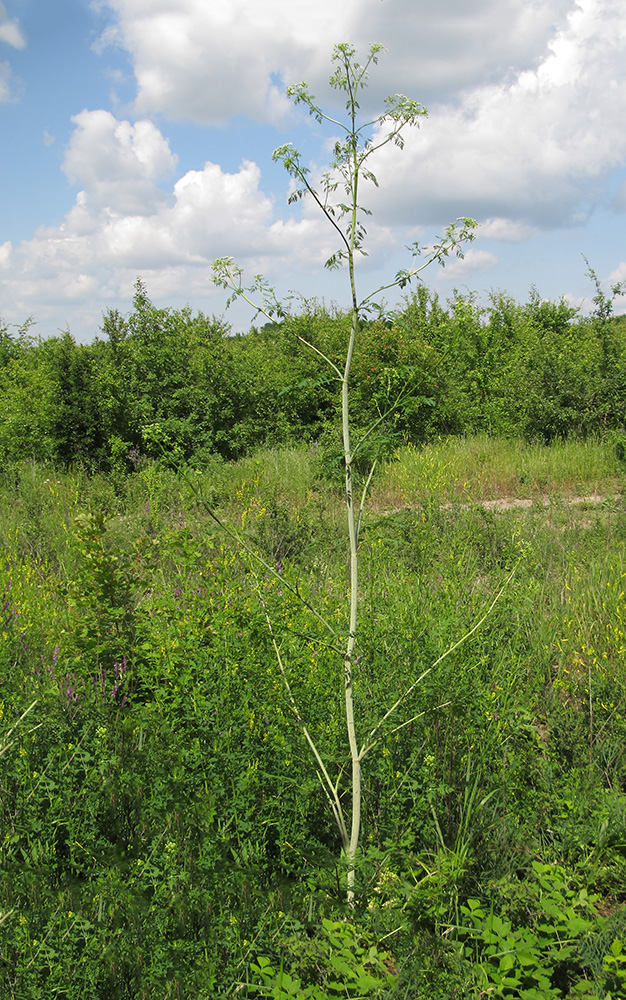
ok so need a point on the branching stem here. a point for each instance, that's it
(347, 169)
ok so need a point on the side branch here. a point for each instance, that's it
(330, 789)
(234, 534)
(371, 741)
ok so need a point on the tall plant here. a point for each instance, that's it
(337, 194)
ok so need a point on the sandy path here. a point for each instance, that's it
(511, 503)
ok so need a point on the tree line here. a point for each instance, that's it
(167, 381)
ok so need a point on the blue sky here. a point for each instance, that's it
(138, 137)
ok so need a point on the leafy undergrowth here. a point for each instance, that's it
(164, 833)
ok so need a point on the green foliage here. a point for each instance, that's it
(523, 961)
(535, 370)
(550, 957)
(183, 830)
(27, 398)
(162, 822)
(349, 169)
(338, 963)
(483, 468)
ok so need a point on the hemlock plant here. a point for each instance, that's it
(337, 193)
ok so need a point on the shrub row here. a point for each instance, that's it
(167, 379)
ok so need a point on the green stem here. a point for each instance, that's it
(352, 536)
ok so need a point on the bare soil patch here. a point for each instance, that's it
(513, 503)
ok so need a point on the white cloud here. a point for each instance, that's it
(10, 34)
(5, 82)
(10, 31)
(122, 224)
(506, 230)
(526, 98)
(474, 262)
(617, 275)
(535, 149)
(208, 61)
(118, 163)
(526, 102)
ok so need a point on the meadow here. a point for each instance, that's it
(164, 831)
(312, 638)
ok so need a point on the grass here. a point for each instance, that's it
(483, 468)
(199, 821)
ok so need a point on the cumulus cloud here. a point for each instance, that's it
(507, 231)
(526, 98)
(619, 274)
(117, 163)
(536, 149)
(526, 105)
(474, 262)
(122, 223)
(10, 34)
(207, 61)
(10, 31)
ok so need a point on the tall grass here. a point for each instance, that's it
(184, 824)
(484, 468)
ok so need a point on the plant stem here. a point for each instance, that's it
(353, 617)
